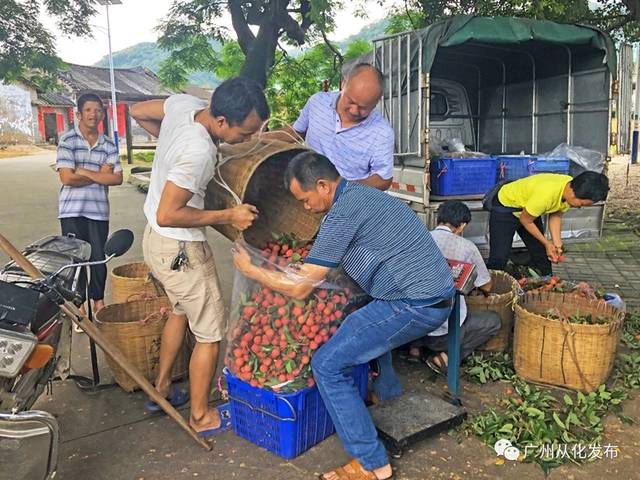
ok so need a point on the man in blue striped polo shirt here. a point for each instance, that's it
(88, 163)
(389, 253)
(346, 127)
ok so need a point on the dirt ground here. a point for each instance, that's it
(12, 151)
(624, 197)
(106, 435)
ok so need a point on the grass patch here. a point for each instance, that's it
(145, 157)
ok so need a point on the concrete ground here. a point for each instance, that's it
(106, 435)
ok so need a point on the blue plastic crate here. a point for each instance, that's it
(550, 165)
(513, 167)
(463, 176)
(286, 424)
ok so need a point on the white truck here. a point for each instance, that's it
(502, 86)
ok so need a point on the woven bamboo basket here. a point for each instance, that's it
(560, 353)
(256, 175)
(135, 328)
(133, 281)
(505, 287)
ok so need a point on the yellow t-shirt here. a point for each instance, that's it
(538, 194)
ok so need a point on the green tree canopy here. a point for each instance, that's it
(613, 16)
(26, 46)
(293, 79)
(259, 25)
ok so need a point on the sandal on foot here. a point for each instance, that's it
(225, 422)
(438, 363)
(414, 355)
(176, 398)
(354, 471)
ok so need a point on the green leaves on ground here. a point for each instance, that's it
(631, 330)
(485, 367)
(627, 370)
(533, 417)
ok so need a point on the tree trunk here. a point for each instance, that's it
(261, 56)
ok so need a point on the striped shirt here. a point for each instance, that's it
(382, 246)
(455, 247)
(90, 201)
(358, 151)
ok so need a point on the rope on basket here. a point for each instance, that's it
(570, 334)
(224, 393)
(143, 296)
(163, 314)
(218, 176)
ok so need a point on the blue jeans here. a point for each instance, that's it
(369, 333)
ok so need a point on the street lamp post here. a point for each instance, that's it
(114, 108)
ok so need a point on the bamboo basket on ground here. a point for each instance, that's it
(506, 289)
(133, 280)
(576, 356)
(135, 328)
(254, 171)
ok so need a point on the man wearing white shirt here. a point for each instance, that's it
(175, 245)
(475, 328)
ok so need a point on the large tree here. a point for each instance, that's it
(618, 18)
(293, 79)
(259, 26)
(26, 45)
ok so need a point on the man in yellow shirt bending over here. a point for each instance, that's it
(519, 206)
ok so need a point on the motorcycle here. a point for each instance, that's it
(35, 347)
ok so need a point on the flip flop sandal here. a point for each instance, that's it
(353, 471)
(225, 419)
(440, 370)
(176, 398)
(412, 358)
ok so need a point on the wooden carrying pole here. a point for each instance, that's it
(74, 313)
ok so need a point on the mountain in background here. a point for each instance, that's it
(369, 33)
(149, 55)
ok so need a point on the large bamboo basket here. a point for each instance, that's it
(135, 328)
(505, 288)
(256, 175)
(560, 353)
(133, 281)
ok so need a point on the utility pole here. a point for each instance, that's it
(114, 107)
(636, 117)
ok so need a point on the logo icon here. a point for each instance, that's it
(504, 448)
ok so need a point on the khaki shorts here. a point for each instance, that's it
(193, 290)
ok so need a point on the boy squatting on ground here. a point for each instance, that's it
(477, 327)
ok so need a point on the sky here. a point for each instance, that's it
(134, 21)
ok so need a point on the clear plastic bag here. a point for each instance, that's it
(455, 145)
(585, 158)
(272, 337)
(451, 148)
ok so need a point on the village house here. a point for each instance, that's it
(29, 116)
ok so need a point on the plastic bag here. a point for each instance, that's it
(271, 337)
(615, 301)
(437, 148)
(590, 160)
(455, 145)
